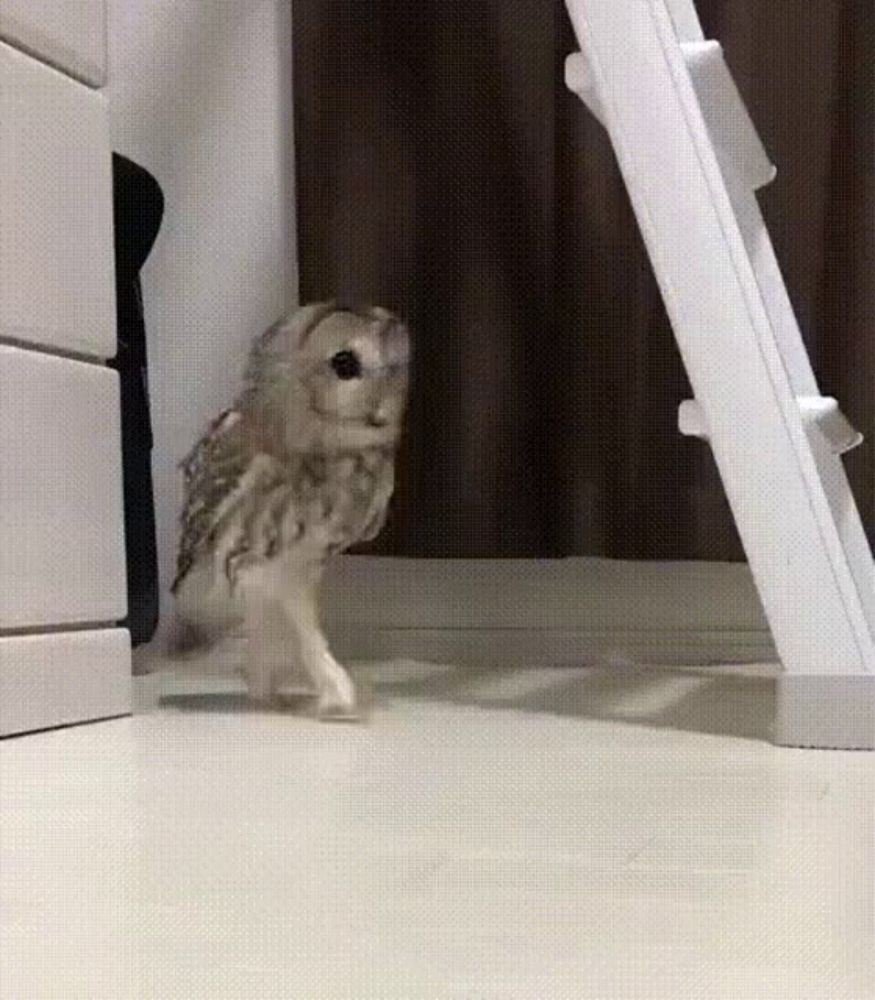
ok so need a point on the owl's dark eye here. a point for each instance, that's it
(346, 365)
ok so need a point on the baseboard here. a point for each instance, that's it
(568, 611)
(551, 647)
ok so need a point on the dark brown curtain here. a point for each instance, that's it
(444, 171)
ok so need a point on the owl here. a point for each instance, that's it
(299, 468)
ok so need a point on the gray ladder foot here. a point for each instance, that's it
(828, 712)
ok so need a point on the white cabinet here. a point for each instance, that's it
(61, 528)
(63, 678)
(56, 224)
(69, 34)
(63, 659)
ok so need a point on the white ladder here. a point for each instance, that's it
(692, 162)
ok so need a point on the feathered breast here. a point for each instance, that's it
(332, 500)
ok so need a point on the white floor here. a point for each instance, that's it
(539, 834)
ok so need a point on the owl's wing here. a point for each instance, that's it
(380, 508)
(219, 472)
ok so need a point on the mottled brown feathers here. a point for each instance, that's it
(302, 447)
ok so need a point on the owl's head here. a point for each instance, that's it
(335, 378)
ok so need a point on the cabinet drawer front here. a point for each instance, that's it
(61, 510)
(57, 264)
(69, 34)
(63, 678)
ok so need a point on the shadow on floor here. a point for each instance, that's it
(710, 701)
(232, 702)
(698, 701)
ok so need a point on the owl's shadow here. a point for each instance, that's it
(232, 702)
(297, 703)
(709, 701)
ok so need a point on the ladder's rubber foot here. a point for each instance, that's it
(826, 712)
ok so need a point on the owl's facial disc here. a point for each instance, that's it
(359, 372)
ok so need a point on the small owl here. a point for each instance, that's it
(300, 467)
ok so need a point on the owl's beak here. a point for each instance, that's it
(378, 419)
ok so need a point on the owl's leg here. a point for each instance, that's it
(273, 666)
(264, 654)
(337, 695)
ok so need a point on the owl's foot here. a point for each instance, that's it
(278, 690)
(294, 683)
(337, 700)
(330, 708)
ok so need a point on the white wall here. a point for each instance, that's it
(200, 95)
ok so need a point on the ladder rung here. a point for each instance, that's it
(736, 142)
(818, 412)
(733, 133)
(578, 79)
